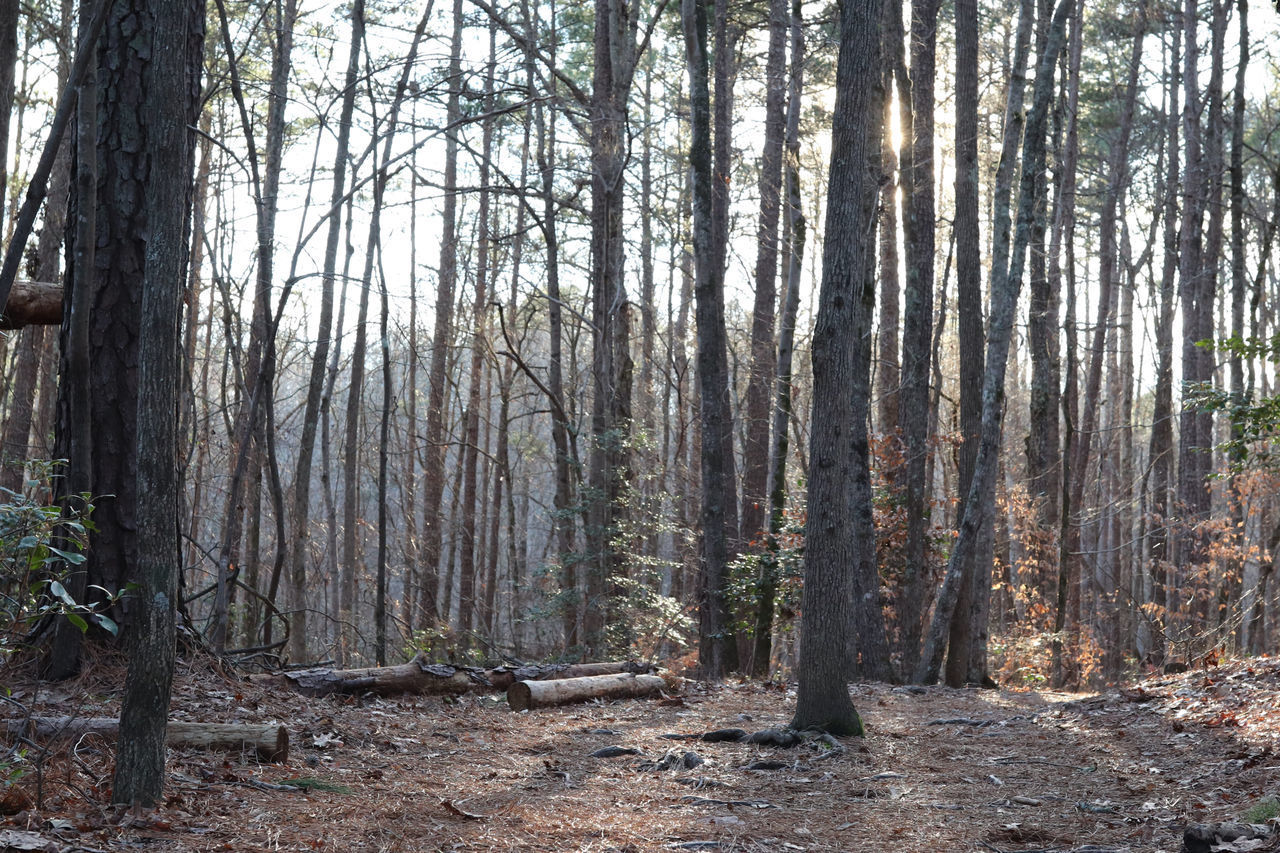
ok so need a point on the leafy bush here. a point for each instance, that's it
(40, 547)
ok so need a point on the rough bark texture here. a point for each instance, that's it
(615, 57)
(174, 44)
(838, 450)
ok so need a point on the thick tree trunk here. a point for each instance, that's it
(839, 489)
(175, 49)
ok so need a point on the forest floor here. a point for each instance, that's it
(939, 770)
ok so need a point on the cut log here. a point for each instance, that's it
(33, 303)
(416, 676)
(270, 742)
(525, 695)
(504, 676)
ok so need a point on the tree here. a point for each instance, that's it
(715, 638)
(301, 511)
(446, 285)
(168, 49)
(969, 286)
(833, 582)
(755, 472)
(1005, 284)
(918, 313)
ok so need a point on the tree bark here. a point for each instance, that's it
(174, 38)
(1161, 447)
(969, 289)
(838, 479)
(268, 742)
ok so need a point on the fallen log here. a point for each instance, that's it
(526, 695)
(33, 303)
(270, 742)
(434, 679)
(503, 677)
(416, 676)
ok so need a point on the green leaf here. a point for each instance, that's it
(107, 624)
(71, 557)
(28, 542)
(77, 620)
(60, 592)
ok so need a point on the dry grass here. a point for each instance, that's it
(1008, 772)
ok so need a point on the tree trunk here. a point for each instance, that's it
(315, 384)
(716, 647)
(779, 449)
(755, 469)
(73, 440)
(838, 484)
(615, 50)
(1161, 448)
(176, 44)
(917, 317)
(433, 474)
(268, 743)
(969, 296)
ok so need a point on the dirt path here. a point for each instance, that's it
(940, 770)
